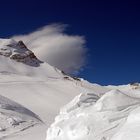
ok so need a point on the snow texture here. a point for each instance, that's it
(112, 116)
(15, 118)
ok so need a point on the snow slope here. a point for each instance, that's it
(93, 117)
(15, 118)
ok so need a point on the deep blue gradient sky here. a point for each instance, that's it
(111, 28)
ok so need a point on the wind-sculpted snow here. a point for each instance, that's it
(15, 118)
(131, 129)
(93, 117)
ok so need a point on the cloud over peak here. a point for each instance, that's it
(52, 45)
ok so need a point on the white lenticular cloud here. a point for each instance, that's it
(53, 45)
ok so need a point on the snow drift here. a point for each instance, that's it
(107, 116)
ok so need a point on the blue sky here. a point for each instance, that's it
(111, 29)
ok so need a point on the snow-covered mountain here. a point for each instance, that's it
(16, 58)
(38, 87)
(32, 93)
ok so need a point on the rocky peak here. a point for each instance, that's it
(21, 44)
(18, 51)
(135, 85)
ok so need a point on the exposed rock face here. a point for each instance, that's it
(18, 51)
(135, 85)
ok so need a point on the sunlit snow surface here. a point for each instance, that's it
(32, 93)
(113, 115)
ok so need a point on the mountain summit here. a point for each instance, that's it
(18, 51)
(16, 58)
